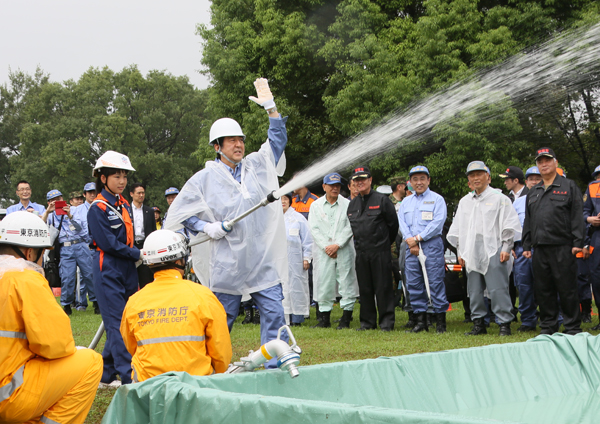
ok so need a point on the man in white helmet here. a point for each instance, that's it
(43, 376)
(174, 324)
(250, 259)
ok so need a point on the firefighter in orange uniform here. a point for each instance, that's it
(43, 376)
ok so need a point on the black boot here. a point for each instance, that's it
(505, 329)
(325, 320)
(421, 325)
(478, 328)
(249, 316)
(256, 319)
(586, 311)
(411, 320)
(345, 320)
(319, 313)
(440, 325)
(67, 309)
(429, 320)
(596, 327)
(96, 308)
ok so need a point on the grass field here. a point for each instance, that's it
(329, 345)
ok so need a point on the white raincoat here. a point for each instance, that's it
(482, 225)
(299, 248)
(328, 271)
(253, 256)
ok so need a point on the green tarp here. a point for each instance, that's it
(549, 379)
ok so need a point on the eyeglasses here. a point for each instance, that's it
(23, 189)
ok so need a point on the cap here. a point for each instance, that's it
(596, 171)
(477, 165)
(512, 172)
(532, 171)
(155, 208)
(75, 194)
(52, 194)
(333, 178)
(171, 190)
(544, 151)
(89, 187)
(360, 172)
(418, 170)
(384, 189)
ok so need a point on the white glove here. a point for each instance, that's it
(265, 97)
(215, 230)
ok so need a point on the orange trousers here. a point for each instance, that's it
(55, 391)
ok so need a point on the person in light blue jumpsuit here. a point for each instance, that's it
(421, 218)
(591, 214)
(523, 268)
(86, 286)
(115, 256)
(25, 204)
(74, 250)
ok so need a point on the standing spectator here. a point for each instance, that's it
(302, 200)
(333, 253)
(143, 225)
(86, 287)
(483, 232)
(375, 225)
(421, 218)
(398, 185)
(554, 228)
(157, 217)
(296, 297)
(74, 249)
(76, 198)
(514, 182)
(353, 190)
(25, 204)
(523, 269)
(591, 214)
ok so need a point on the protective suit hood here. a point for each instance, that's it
(10, 263)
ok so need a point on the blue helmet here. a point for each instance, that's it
(534, 170)
(89, 187)
(171, 190)
(52, 194)
(418, 170)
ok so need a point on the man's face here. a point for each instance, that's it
(233, 148)
(533, 180)
(170, 198)
(401, 190)
(419, 182)
(24, 191)
(76, 201)
(90, 196)
(55, 199)
(353, 189)
(546, 165)
(332, 190)
(511, 183)
(138, 195)
(478, 180)
(363, 185)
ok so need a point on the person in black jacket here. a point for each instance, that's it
(375, 226)
(554, 228)
(144, 223)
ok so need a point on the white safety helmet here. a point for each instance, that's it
(164, 246)
(225, 127)
(112, 159)
(25, 229)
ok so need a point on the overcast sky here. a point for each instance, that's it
(66, 37)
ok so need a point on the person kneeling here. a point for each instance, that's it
(43, 376)
(173, 324)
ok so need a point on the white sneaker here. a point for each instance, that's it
(112, 385)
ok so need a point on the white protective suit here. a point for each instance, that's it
(253, 256)
(481, 226)
(331, 275)
(299, 247)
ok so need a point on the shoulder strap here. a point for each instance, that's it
(111, 208)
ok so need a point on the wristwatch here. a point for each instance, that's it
(272, 110)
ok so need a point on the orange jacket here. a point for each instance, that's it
(31, 322)
(173, 324)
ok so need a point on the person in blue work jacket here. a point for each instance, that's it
(523, 268)
(74, 251)
(115, 257)
(591, 214)
(421, 218)
(25, 203)
(251, 258)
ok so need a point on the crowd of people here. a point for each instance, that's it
(380, 249)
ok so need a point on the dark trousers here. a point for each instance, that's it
(145, 274)
(594, 267)
(375, 284)
(554, 281)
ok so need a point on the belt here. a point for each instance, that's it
(72, 243)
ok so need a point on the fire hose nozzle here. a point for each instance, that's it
(271, 197)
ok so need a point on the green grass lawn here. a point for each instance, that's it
(329, 345)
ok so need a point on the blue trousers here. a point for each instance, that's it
(296, 319)
(71, 257)
(523, 272)
(272, 317)
(435, 266)
(583, 284)
(115, 280)
(594, 266)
